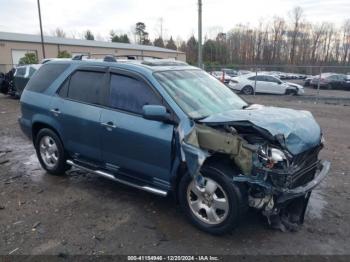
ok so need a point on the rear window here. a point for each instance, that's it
(85, 86)
(45, 76)
(20, 71)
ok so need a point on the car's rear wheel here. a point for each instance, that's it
(248, 90)
(50, 152)
(213, 204)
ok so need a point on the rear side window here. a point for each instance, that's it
(86, 86)
(130, 94)
(45, 76)
(20, 71)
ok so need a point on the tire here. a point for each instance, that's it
(291, 92)
(248, 90)
(227, 220)
(50, 152)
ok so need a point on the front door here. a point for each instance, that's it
(140, 147)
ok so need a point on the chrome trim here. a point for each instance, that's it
(111, 177)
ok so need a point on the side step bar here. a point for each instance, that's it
(112, 177)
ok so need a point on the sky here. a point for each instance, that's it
(179, 17)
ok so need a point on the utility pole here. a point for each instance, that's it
(41, 31)
(200, 64)
(161, 27)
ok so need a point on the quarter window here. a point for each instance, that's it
(86, 86)
(130, 94)
(45, 76)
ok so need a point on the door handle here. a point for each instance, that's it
(55, 111)
(109, 124)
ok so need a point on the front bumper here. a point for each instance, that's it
(321, 172)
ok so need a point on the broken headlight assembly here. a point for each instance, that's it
(271, 157)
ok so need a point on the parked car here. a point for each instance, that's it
(264, 84)
(331, 81)
(6, 85)
(219, 75)
(230, 72)
(170, 128)
(307, 80)
(22, 76)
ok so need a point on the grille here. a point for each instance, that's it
(302, 170)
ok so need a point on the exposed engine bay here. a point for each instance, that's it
(279, 166)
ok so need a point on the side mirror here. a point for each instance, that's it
(157, 113)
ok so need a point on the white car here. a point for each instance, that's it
(218, 75)
(264, 84)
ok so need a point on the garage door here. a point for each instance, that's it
(18, 54)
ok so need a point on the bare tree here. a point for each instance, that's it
(296, 15)
(59, 32)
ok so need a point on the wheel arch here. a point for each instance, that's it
(39, 123)
(221, 164)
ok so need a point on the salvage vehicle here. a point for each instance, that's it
(264, 83)
(172, 129)
(22, 76)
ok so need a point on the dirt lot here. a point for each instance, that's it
(83, 214)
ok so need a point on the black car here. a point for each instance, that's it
(331, 81)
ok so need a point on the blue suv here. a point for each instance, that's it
(169, 128)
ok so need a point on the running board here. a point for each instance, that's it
(112, 177)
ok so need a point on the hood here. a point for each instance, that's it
(294, 85)
(300, 130)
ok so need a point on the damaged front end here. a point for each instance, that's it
(275, 152)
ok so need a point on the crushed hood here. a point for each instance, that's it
(299, 128)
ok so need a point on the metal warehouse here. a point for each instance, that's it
(13, 46)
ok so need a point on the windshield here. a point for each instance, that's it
(198, 93)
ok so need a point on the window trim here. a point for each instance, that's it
(139, 77)
(106, 89)
(94, 69)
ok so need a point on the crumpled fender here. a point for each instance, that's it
(201, 141)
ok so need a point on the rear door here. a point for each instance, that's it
(260, 84)
(137, 146)
(77, 107)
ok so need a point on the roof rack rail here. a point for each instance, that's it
(109, 58)
(80, 57)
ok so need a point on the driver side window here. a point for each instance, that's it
(130, 94)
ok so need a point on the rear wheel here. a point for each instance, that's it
(212, 204)
(50, 152)
(248, 90)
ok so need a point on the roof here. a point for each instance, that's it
(151, 65)
(17, 37)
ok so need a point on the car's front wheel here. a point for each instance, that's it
(212, 204)
(50, 152)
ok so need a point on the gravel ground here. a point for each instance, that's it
(83, 214)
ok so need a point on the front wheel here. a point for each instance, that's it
(212, 204)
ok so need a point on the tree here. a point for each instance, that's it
(29, 58)
(158, 42)
(141, 34)
(171, 44)
(122, 38)
(297, 14)
(63, 54)
(88, 35)
(59, 33)
(192, 50)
